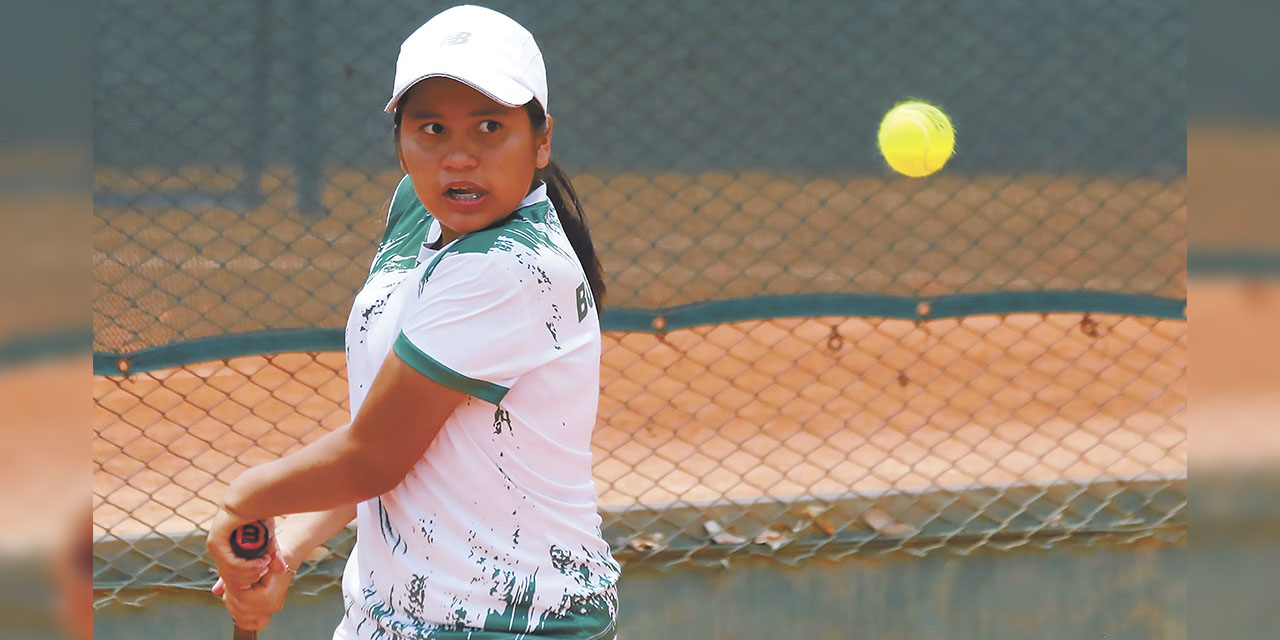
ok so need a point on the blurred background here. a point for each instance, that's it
(45, 404)
(832, 398)
(1234, 291)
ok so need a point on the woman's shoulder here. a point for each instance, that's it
(405, 205)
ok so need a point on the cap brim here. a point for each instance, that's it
(498, 87)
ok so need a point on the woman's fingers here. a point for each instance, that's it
(248, 612)
(236, 572)
(255, 605)
(240, 574)
(277, 563)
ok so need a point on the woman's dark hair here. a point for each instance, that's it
(572, 217)
(565, 200)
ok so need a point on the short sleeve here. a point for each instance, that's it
(470, 327)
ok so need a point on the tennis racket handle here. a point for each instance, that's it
(251, 541)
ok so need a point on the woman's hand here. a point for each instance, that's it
(252, 608)
(237, 573)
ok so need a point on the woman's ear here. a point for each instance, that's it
(542, 154)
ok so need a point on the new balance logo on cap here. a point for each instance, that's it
(456, 38)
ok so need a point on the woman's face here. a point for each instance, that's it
(471, 159)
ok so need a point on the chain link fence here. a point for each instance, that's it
(803, 354)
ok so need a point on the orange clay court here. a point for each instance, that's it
(752, 409)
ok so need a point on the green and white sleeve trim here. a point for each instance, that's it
(429, 367)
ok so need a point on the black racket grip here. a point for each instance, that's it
(251, 541)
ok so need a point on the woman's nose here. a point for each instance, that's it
(460, 158)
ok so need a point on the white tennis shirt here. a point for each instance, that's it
(496, 528)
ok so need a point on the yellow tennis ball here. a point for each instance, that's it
(916, 138)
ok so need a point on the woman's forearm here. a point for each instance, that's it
(401, 415)
(325, 474)
(301, 533)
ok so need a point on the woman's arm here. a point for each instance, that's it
(301, 533)
(400, 417)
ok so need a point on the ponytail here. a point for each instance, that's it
(572, 218)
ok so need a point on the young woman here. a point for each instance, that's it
(473, 355)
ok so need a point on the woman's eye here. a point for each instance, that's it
(489, 126)
(433, 128)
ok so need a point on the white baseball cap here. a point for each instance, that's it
(480, 47)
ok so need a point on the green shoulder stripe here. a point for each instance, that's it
(429, 367)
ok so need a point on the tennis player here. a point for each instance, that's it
(473, 356)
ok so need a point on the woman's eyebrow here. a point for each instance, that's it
(422, 115)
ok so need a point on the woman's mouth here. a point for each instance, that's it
(467, 194)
